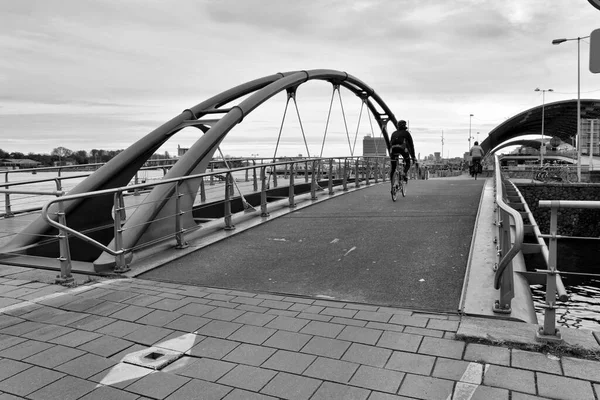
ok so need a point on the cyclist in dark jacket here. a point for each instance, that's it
(401, 143)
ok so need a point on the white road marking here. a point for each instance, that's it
(349, 251)
(469, 382)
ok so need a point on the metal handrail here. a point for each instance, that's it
(519, 230)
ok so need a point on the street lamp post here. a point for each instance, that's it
(559, 41)
(470, 137)
(543, 145)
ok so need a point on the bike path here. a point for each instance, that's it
(358, 247)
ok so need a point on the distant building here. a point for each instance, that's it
(181, 150)
(590, 136)
(374, 147)
(18, 163)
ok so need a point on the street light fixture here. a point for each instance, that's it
(543, 145)
(559, 41)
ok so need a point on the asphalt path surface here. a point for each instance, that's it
(358, 247)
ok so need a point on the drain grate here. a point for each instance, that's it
(153, 358)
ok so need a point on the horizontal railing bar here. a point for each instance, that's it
(547, 236)
(569, 203)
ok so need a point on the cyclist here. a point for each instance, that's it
(476, 154)
(401, 143)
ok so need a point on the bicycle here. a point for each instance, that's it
(476, 168)
(561, 173)
(398, 180)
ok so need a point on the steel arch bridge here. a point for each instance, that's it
(152, 217)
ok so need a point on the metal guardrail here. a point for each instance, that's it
(362, 169)
(549, 331)
(507, 246)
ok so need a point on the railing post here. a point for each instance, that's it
(376, 169)
(136, 191)
(549, 332)
(254, 178)
(212, 177)
(227, 214)
(202, 191)
(119, 206)
(313, 182)
(179, 231)
(274, 173)
(367, 173)
(503, 305)
(263, 192)
(306, 172)
(330, 180)
(356, 174)
(291, 192)
(65, 277)
(345, 176)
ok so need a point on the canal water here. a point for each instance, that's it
(581, 258)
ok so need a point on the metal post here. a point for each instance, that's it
(254, 178)
(65, 277)
(263, 193)
(356, 172)
(179, 231)
(227, 213)
(330, 180)
(202, 191)
(313, 182)
(120, 264)
(212, 177)
(376, 169)
(549, 332)
(292, 203)
(274, 173)
(578, 111)
(306, 172)
(345, 176)
(136, 191)
(367, 172)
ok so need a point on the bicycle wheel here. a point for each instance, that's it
(403, 188)
(395, 187)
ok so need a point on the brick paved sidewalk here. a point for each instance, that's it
(102, 340)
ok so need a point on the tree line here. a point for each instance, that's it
(61, 156)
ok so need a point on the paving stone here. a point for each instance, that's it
(409, 320)
(292, 387)
(289, 361)
(287, 324)
(424, 387)
(22, 328)
(200, 368)
(85, 366)
(142, 300)
(222, 304)
(106, 346)
(455, 370)
(535, 361)
(325, 329)
(383, 380)
(91, 323)
(67, 388)
(320, 346)
(287, 340)
(9, 368)
(331, 370)
(120, 375)
(194, 309)
(423, 331)
(314, 317)
(373, 316)
(442, 347)
(54, 356)
(192, 389)
(523, 396)
(7, 341)
(360, 335)
(223, 314)
(411, 362)
(157, 385)
(339, 312)
(400, 341)
(247, 377)
(219, 296)
(313, 309)
(368, 355)
(148, 335)
(253, 318)
(384, 326)
(247, 300)
(287, 313)
(118, 296)
(131, 313)
(563, 388)
(9, 320)
(187, 323)
(387, 396)
(30, 380)
(119, 328)
(179, 342)
(471, 391)
(66, 318)
(213, 348)
(249, 354)
(106, 308)
(220, 329)
(335, 391)
(510, 378)
(348, 321)
(82, 304)
(443, 325)
(75, 338)
(252, 334)
(118, 357)
(24, 349)
(581, 369)
(487, 354)
(239, 394)
(109, 393)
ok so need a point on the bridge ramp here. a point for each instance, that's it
(358, 247)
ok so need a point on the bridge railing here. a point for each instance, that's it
(340, 172)
(553, 276)
(508, 243)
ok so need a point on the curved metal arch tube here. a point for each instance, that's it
(157, 204)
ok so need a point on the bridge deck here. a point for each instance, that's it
(359, 247)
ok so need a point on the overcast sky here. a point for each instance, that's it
(101, 74)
